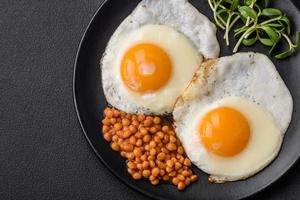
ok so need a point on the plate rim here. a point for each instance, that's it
(122, 179)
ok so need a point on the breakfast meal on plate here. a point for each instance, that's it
(151, 147)
(153, 54)
(174, 103)
(232, 118)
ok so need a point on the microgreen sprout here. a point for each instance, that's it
(259, 23)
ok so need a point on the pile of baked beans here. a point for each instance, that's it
(151, 147)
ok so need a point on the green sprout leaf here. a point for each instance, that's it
(298, 39)
(266, 41)
(271, 12)
(288, 24)
(250, 41)
(273, 35)
(234, 5)
(285, 54)
(246, 11)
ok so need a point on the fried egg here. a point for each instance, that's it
(153, 54)
(233, 116)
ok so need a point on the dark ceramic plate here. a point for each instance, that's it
(90, 102)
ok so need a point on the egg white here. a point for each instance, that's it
(250, 83)
(187, 38)
(264, 142)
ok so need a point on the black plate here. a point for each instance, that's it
(90, 102)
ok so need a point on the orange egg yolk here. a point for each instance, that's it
(224, 131)
(145, 67)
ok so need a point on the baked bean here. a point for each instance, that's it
(137, 176)
(146, 173)
(144, 157)
(139, 166)
(173, 138)
(180, 150)
(169, 169)
(151, 177)
(181, 177)
(165, 129)
(194, 178)
(146, 138)
(181, 186)
(129, 155)
(161, 165)
(178, 165)
(172, 174)
(143, 130)
(166, 138)
(105, 129)
(153, 130)
(158, 127)
(171, 146)
(132, 128)
(152, 144)
(127, 147)
(171, 133)
(147, 122)
(161, 156)
(175, 181)
(115, 138)
(113, 120)
(166, 151)
(141, 117)
(187, 181)
(151, 157)
(130, 171)
(152, 163)
(137, 152)
(131, 165)
(106, 121)
(187, 162)
(135, 123)
(147, 147)
(126, 134)
(118, 126)
(109, 113)
(185, 173)
(161, 135)
(139, 142)
(162, 172)
(116, 113)
(132, 140)
(145, 164)
(152, 152)
(156, 120)
(107, 137)
(157, 139)
(155, 171)
(166, 177)
(139, 135)
(115, 146)
(170, 163)
(123, 154)
(125, 122)
(155, 182)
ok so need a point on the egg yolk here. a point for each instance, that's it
(224, 131)
(145, 67)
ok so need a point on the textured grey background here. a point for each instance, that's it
(43, 153)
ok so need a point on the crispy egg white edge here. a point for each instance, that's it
(212, 74)
(164, 13)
